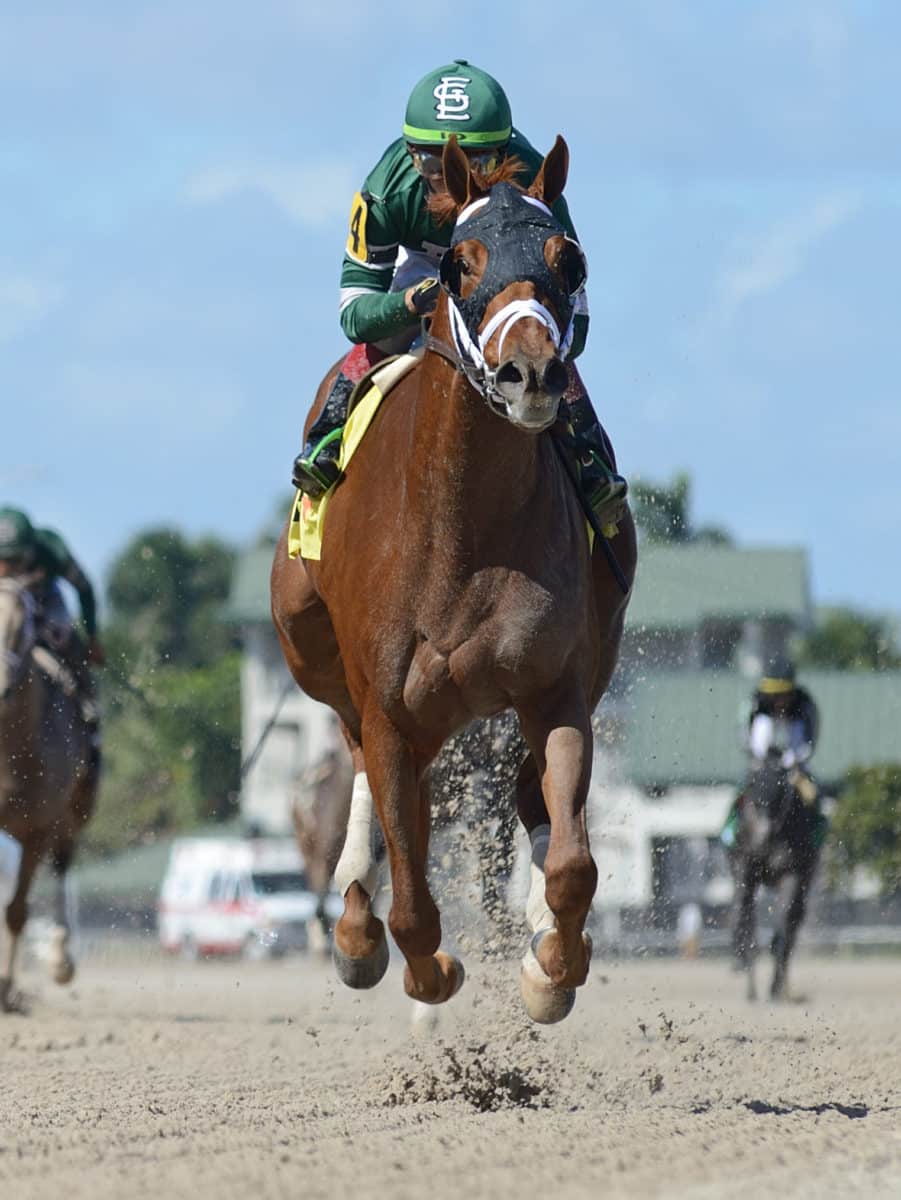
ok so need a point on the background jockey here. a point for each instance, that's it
(42, 555)
(389, 274)
(784, 718)
(783, 722)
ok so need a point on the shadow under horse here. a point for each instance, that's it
(48, 778)
(457, 580)
(776, 846)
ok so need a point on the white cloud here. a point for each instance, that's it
(776, 257)
(25, 300)
(308, 195)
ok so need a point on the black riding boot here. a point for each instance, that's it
(603, 488)
(316, 467)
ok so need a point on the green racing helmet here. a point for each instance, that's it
(458, 99)
(16, 534)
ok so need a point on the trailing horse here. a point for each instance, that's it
(48, 777)
(457, 580)
(776, 846)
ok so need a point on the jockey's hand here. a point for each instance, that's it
(96, 655)
(423, 297)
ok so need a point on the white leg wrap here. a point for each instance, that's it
(10, 859)
(357, 862)
(538, 915)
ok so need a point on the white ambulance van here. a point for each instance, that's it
(236, 896)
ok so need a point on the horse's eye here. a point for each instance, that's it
(465, 268)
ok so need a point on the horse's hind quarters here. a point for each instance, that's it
(433, 979)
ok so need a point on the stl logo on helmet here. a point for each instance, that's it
(453, 102)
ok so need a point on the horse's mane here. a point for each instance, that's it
(444, 208)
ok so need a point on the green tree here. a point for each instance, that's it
(663, 513)
(171, 691)
(165, 594)
(847, 640)
(866, 826)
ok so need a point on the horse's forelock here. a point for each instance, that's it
(444, 207)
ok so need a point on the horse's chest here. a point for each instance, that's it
(477, 658)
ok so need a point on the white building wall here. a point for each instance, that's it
(299, 738)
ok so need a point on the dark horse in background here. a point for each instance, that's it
(457, 581)
(776, 846)
(48, 778)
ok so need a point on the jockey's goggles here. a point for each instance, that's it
(430, 165)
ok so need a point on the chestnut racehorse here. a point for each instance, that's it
(457, 580)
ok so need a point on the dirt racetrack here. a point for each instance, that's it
(150, 1078)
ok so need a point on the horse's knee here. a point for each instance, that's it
(415, 928)
(570, 884)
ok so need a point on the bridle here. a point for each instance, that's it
(514, 229)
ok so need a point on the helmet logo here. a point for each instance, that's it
(453, 102)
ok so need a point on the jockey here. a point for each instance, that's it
(389, 275)
(45, 558)
(784, 719)
(783, 723)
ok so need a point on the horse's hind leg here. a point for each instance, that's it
(557, 961)
(62, 851)
(62, 965)
(16, 916)
(403, 807)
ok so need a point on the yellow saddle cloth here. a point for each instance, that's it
(308, 516)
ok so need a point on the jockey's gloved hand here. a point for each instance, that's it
(422, 298)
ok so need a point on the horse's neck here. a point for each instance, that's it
(465, 452)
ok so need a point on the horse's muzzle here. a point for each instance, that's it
(531, 390)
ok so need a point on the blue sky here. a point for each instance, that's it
(176, 178)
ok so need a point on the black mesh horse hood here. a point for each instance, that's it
(514, 229)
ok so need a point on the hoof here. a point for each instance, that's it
(449, 979)
(11, 1001)
(361, 973)
(545, 1002)
(64, 972)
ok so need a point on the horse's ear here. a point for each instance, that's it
(458, 179)
(456, 172)
(551, 178)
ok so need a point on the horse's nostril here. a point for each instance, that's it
(555, 377)
(509, 373)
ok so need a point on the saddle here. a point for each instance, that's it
(307, 515)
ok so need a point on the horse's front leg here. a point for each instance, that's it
(564, 875)
(784, 939)
(16, 916)
(403, 808)
(360, 948)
